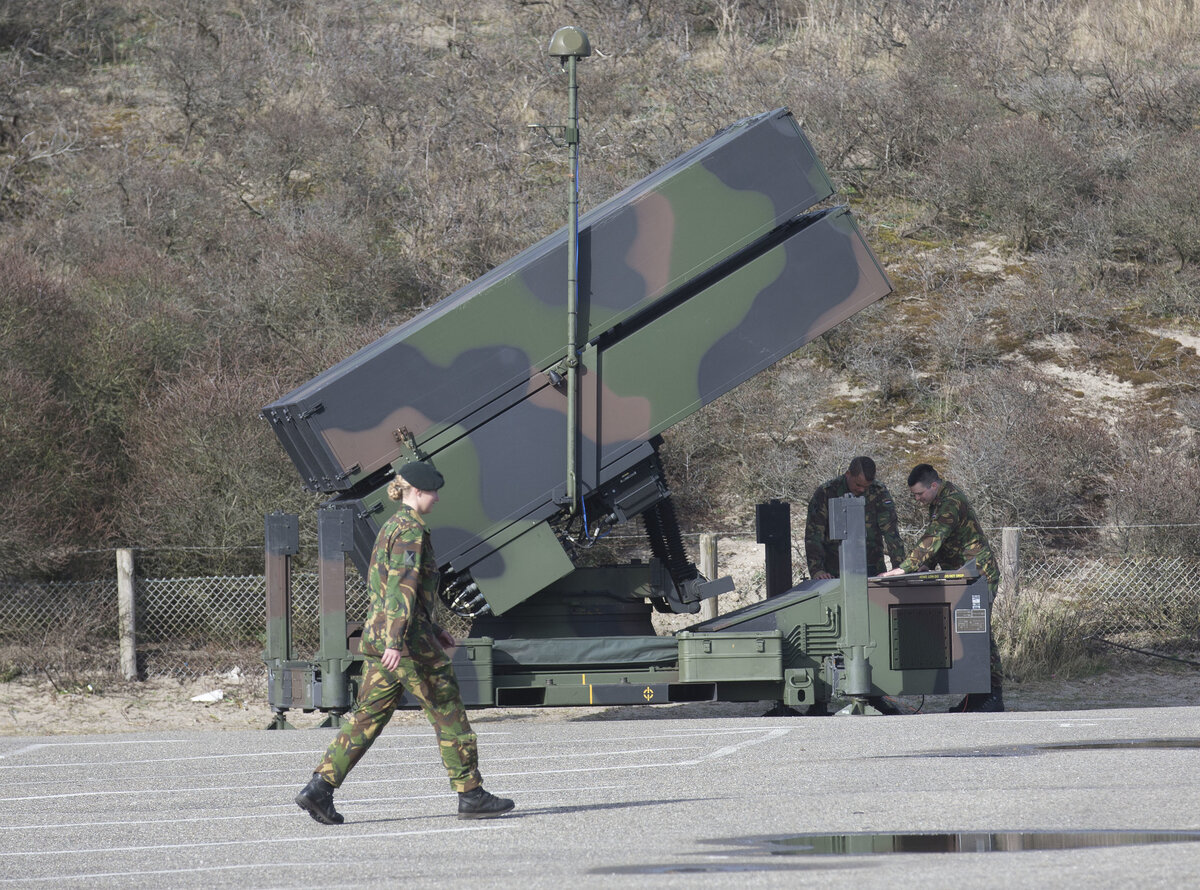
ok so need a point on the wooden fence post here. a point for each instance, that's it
(126, 614)
(1010, 564)
(708, 568)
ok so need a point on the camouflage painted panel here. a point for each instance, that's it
(819, 276)
(474, 354)
(510, 469)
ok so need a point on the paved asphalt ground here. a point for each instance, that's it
(653, 802)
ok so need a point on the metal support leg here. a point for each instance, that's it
(282, 537)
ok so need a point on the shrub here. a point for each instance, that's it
(1023, 456)
(1059, 293)
(1158, 218)
(1016, 177)
(1154, 490)
(205, 470)
(1041, 635)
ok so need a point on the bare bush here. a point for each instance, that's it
(206, 470)
(959, 301)
(695, 453)
(757, 442)
(165, 206)
(36, 138)
(39, 525)
(883, 359)
(1156, 216)
(1024, 457)
(1015, 177)
(932, 95)
(1059, 295)
(212, 67)
(1154, 490)
(69, 34)
(1172, 294)
(1145, 57)
(51, 484)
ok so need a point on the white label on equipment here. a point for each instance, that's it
(970, 621)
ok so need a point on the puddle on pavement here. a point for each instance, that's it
(689, 869)
(868, 844)
(1122, 743)
(1028, 750)
(968, 842)
(714, 868)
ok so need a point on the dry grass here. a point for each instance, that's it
(1101, 23)
(1041, 635)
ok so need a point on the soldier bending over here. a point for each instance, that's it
(953, 538)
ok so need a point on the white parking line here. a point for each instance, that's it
(39, 745)
(1091, 721)
(427, 756)
(761, 737)
(94, 876)
(290, 811)
(386, 743)
(256, 842)
(732, 749)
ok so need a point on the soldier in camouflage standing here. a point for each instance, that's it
(880, 510)
(953, 538)
(404, 649)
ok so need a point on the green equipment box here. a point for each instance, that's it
(472, 660)
(730, 657)
(473, 668)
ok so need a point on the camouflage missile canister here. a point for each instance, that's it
(505, 476)
(474, 354)
(691, 281)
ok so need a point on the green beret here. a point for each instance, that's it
(421, 475)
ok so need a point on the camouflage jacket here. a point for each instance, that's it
(403, 582)
(953, 538)
(882, 528)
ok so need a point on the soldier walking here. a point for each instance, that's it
(404, 649)
(953, 538)
(880, 510)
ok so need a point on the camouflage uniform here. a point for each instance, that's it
(953, 538)
(882, 529)
(403, 584)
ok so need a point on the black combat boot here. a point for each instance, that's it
(479, 804)
(317, 799)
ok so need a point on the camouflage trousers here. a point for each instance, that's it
(428, 675)
(996, 668)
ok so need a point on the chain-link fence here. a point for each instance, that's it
(1149, 598)
(185, 626)
(45, 626)
(195, 626)
(30, 609)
